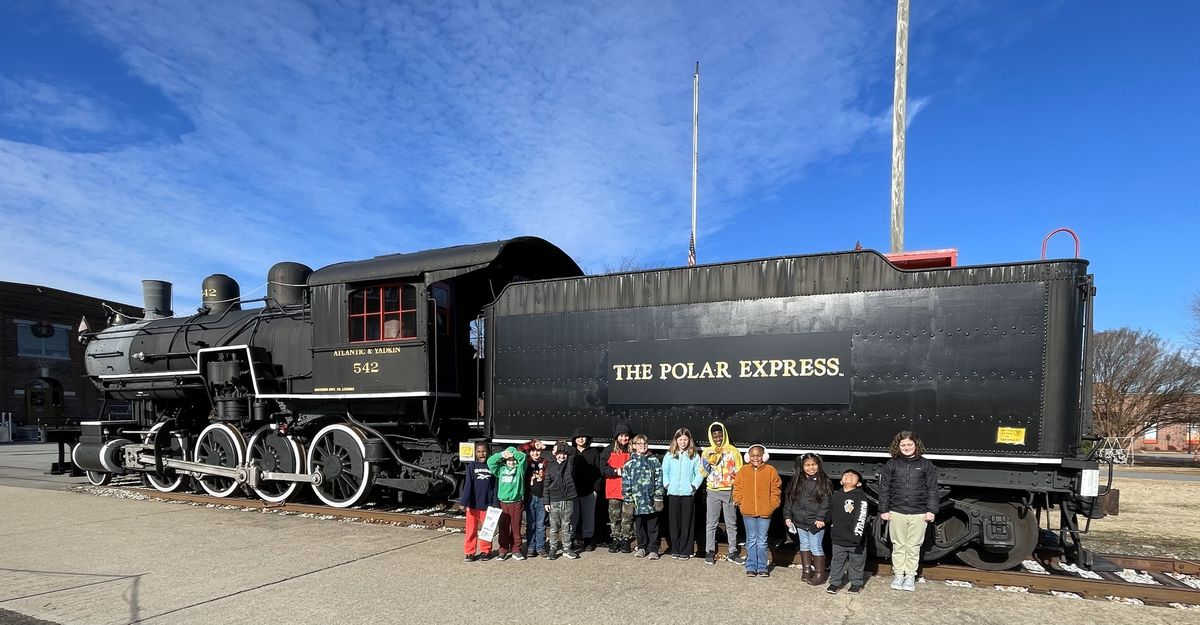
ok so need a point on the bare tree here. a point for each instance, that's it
(630, 263)
(1140, 382)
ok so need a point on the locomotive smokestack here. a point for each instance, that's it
(157, 297)
(220, 293)
(287, 283)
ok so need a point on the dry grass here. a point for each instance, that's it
(1158, 517)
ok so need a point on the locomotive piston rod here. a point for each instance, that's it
(195, 469)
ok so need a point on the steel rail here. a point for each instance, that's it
(371, 515)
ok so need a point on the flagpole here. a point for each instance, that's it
(898, 126)
(695, 159)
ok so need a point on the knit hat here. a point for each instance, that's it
(580, 431)
(623, 428)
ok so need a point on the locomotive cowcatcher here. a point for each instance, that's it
(372, 375)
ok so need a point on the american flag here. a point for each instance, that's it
(692, 251)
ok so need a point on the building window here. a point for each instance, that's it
(42, 339)
(383, 313)
(1150, 437)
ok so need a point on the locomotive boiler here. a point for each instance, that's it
(367, 376)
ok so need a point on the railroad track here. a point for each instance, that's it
(1149, 580)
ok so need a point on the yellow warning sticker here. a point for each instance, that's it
(1010, 436)
(466, 452)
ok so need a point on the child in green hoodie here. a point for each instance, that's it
(509, 468)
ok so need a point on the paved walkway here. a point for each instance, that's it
(70, 558)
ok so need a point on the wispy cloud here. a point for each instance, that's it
(325, 133)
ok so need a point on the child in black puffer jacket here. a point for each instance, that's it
(908, 500)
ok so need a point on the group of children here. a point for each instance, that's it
(558, 495)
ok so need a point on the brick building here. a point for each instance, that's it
(1182, 437)
(42, 374)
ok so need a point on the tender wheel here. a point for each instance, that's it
(176, 448)
(1025, 530)
(277, 453)
(339, 451)
(96, 478)
(220, 445)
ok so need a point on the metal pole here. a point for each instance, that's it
(695, 159)
(898, 126)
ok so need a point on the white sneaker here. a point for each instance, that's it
(898, 582)
(910, 583)
(640, 553)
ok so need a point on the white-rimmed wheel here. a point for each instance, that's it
(220, 445)
(96, 478)
(280, 454)
(175, 448)
(339, 452)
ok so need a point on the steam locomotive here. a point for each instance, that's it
(381, 374)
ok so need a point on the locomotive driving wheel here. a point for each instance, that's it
(276, 453)
(339, 451)
(175, 448)
(1025, 536)
(220, 445)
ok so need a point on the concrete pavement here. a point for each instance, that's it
(74, 558)
(70, 558)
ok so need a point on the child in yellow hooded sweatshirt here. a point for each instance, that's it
(720, 462)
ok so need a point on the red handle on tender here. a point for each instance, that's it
(1066, 230)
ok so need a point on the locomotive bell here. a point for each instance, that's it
(220, 293)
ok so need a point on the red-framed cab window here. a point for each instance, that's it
(383, 313)
(441, 309)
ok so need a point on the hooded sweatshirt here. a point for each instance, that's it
(613, 458)
(848, 517)
(479, 487)
(588, 478)
(720, 464)
(510, 481)
(558, 484)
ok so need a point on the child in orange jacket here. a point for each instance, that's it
(756, 492)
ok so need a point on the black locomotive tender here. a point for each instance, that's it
(374, 374)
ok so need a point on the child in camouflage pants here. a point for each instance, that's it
(612, 462)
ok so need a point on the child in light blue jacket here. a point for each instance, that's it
(681, 477)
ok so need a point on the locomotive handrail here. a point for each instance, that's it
(1066, 230)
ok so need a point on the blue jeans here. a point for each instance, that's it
(811, 542)
(535, 524)
(756, 542)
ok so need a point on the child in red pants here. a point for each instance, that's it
(479, 492)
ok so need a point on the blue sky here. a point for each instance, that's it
(173, 140)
